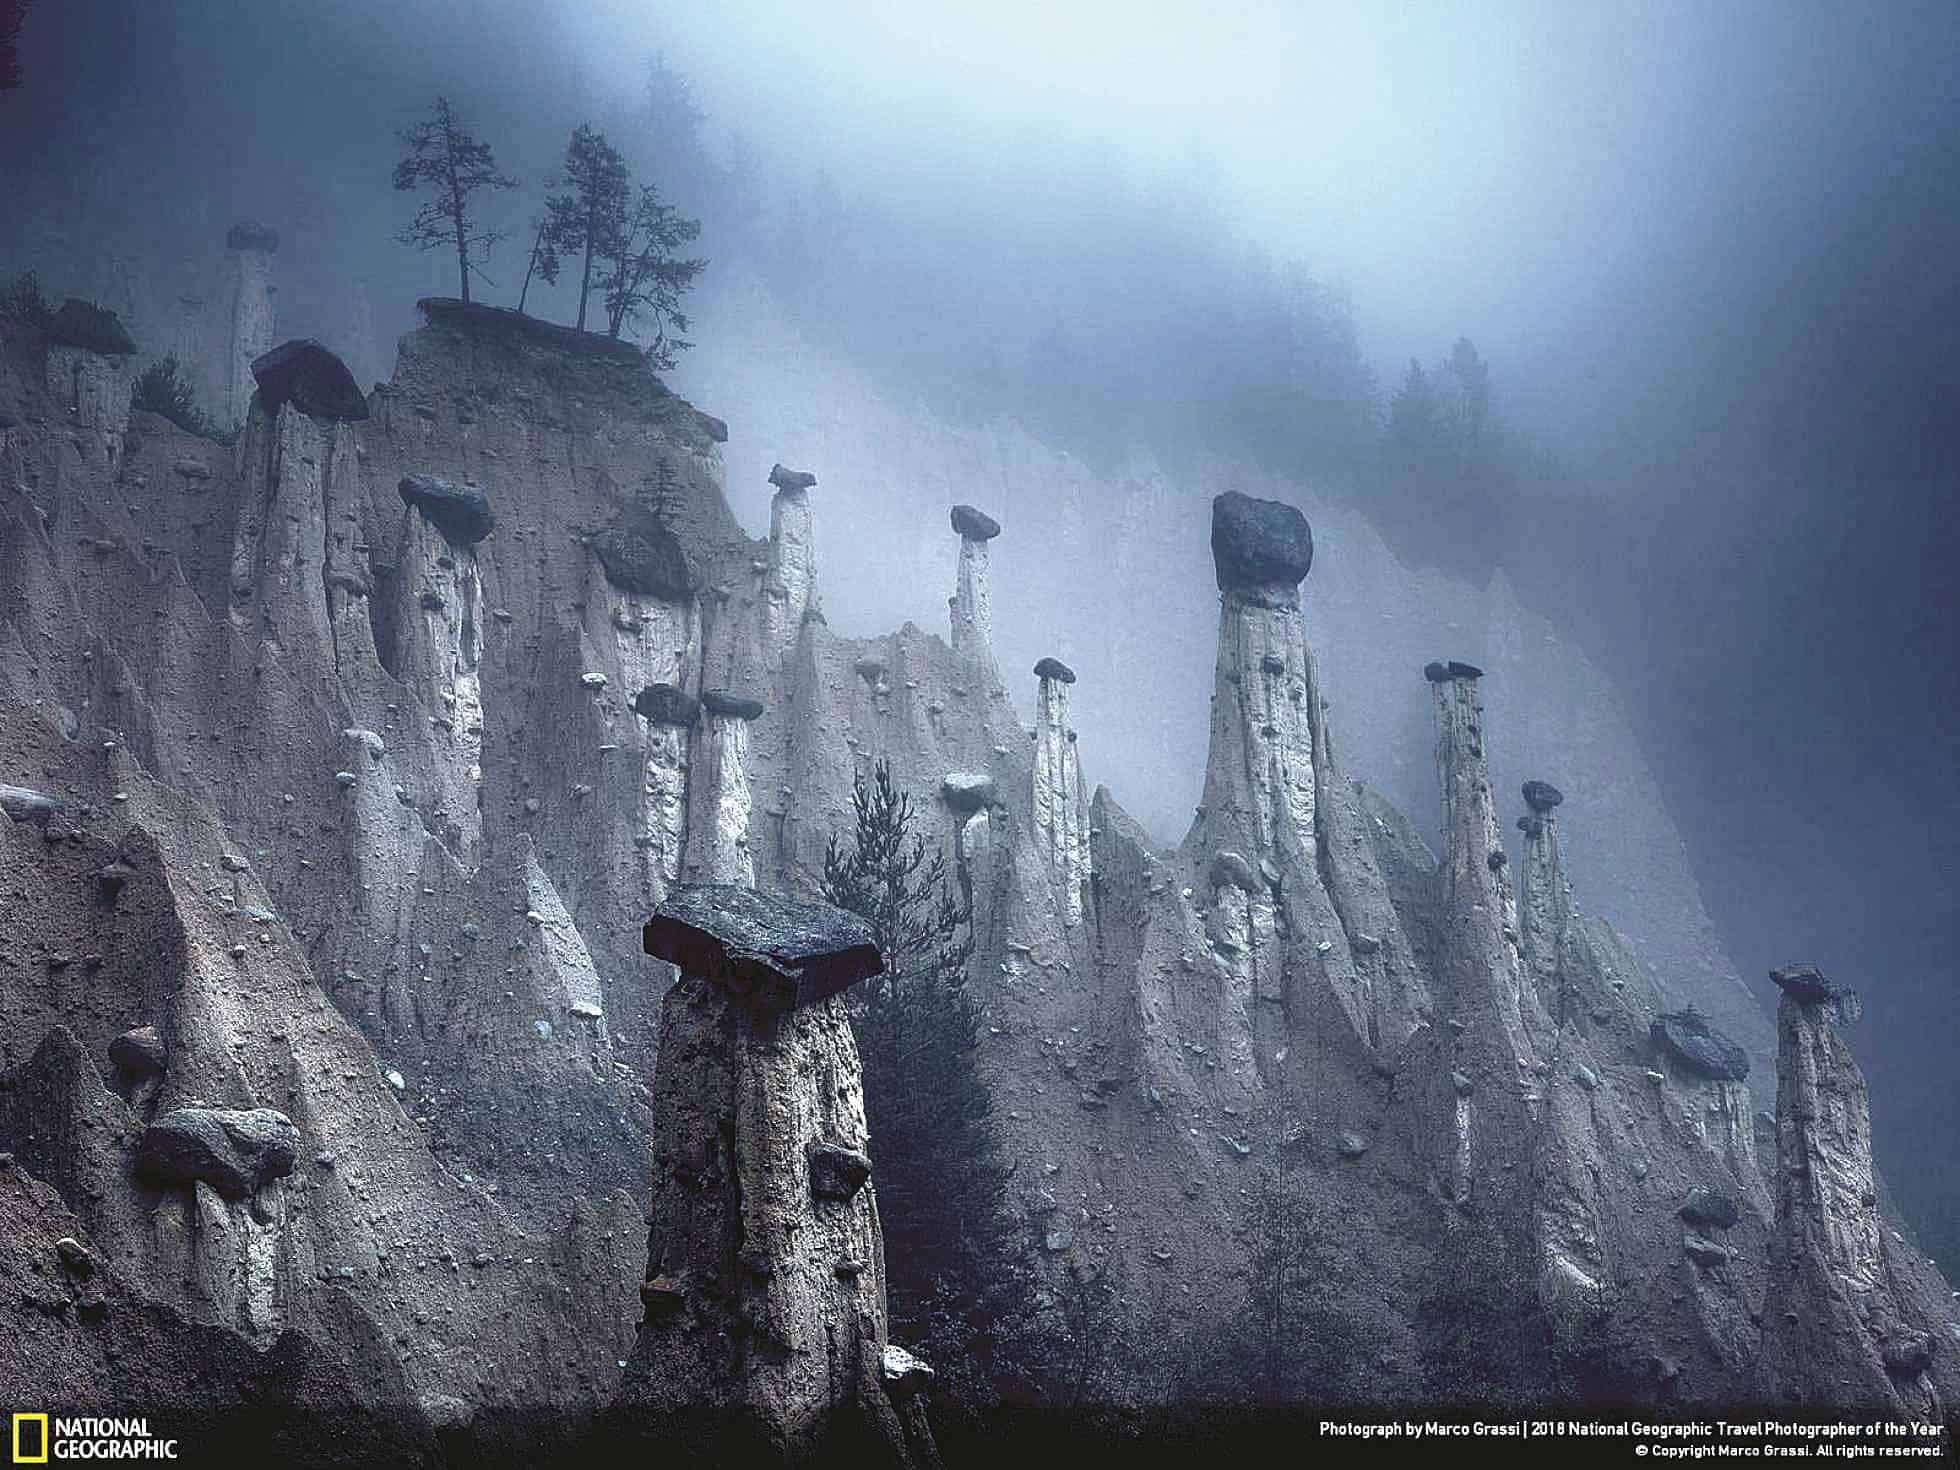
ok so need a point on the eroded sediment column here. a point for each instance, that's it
(1481, 914)
(671, 715)
(1060, 820)
(792, 585)
(248, 296)
(972, 603)
(1841, 1329)
(1544, 899)
(1279, 833)
(765, 1293)
(718, 792)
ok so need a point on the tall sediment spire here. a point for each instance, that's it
(718, 792)
(1845, 1327)
(1544, 900)
(1295, 892)
(972, 603)
(1061, 818)
(1481, 941)
(791, 589)
(248, 303)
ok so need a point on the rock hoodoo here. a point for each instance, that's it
(246, 298)
(1061, 808)
(1275, 798)
(972, 603)
(1847, 1328)
(1544, 900)
(791, 587)
(765, 1323)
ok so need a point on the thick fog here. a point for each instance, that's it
(1708, 256)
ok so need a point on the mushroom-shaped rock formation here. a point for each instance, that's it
(235, 1151)
(664, 704)
(967, 791)
(1054, 668)
(461, 512)
(643, 556)
(762, 1188)
(90, 327)
(1542, 796)
(1688, 1037)
(1259, 544)
(251, 235)
(971, 524)
(972, 606)
(734, 706)
(791, 586)
(1061, 806)
(312, 379)
(776, 953)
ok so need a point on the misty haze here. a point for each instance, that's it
(900, 733)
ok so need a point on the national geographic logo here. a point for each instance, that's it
(39, 1439)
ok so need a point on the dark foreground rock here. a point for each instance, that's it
(232, 1150)
(312, 379)
(778, 950)
(1256, 543)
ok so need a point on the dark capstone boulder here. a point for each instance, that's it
(790, 480)
(1805, 983)
(644, 558)
(1911, 1355)
(234, 1151)
(716, 429)
(1436, 671)
(1255, 543)
(24, 804)
(663, 704)
(139, 1053)
(251, 235)
(1460, 670)
(111, 877)
(1708, 1210)
(967, 791)
(1690, 1040)
(735, 706)
(312, 379)
(90, 327)
(781, 952)
(1230, 868)
(461, 512)
(1542, 796)
(974, 525)
(1054, 668)
(837, 1172)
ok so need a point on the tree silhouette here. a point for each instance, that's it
(953, 1287)
(645, 274)
(444, 158)
(543, 262)
(589, 217)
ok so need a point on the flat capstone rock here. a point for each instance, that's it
(1258, 543)
(312, 379)
(664, 704)
(461, 512)
(779, 952)
(1805, 983)
(1054, 668)
(1688, 1037)
(235, 1151)
(90, 327)
(734, 706)
(967, 791)
(1542, 796)
(791, 480)
(974, 525)
(646, 559)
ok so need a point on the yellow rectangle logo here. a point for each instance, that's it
(21, 1457)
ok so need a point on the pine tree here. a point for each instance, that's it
(645, 273)
(950, 1277)
(444, 158)
(589, 217)
(543, 263)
